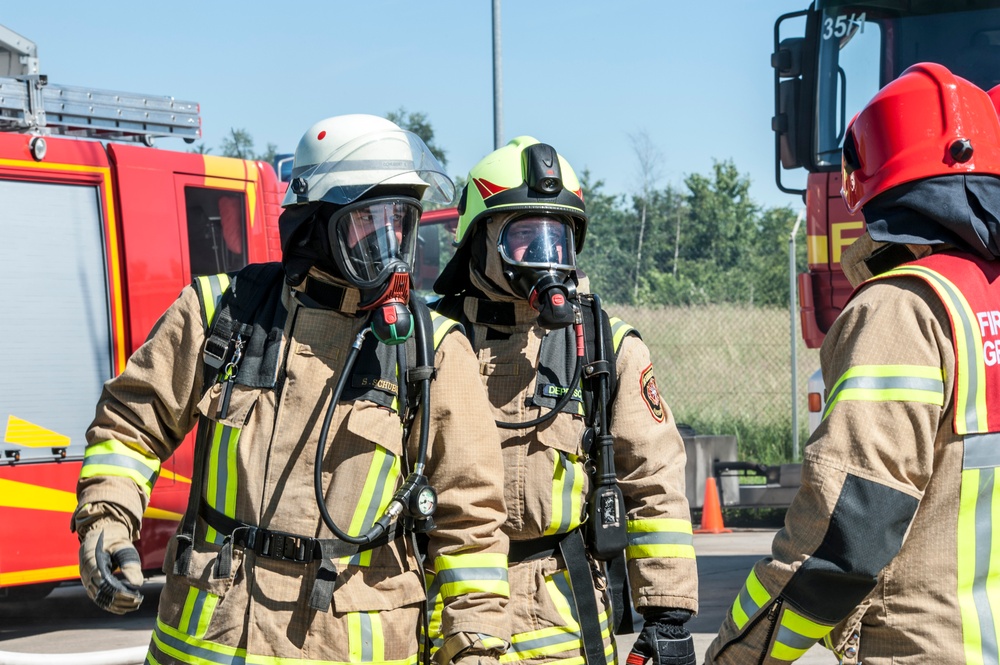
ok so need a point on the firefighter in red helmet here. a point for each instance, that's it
(888, 554)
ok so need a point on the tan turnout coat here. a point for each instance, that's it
(261, 611)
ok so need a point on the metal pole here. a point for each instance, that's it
(792, 312)
(497, 80)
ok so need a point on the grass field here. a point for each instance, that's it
(726, 369)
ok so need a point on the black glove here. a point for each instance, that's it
(664, 639)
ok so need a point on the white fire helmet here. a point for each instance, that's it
(341, 158)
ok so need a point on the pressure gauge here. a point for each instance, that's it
(424, 502)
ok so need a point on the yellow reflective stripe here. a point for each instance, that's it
(978, 568)
(888, 383)
(212, 287)
(365, 638)
(659, 538)
(442, 326)
(114, 458)
(435, 608)
(483, 572)
(197, 612)
(750, 599)
(220, 491)
(618, 331)
(567, 493)
(796, 635)
(375, 496)
(547, 642)
(195, 651)
(970, 381)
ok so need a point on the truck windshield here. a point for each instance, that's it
(864, 45)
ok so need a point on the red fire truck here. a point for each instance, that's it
(97, 238)
(840, 56)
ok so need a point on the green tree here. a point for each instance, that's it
(240, 144)
(418, 123)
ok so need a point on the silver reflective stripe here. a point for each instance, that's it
(887, 383)
(790, 638)
(371, 510)
(567, 492)
(367, 645)
(123, 461)
(747, 603)
(984, 539)
(562, 584)
(470, 574)
(972, 369)
(193, 651)
(540, 642)
(982, 451)
(660, 538)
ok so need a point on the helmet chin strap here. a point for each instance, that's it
(391, 321)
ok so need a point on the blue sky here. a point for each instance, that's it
(583, 76)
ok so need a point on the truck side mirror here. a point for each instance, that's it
(785, 123)
(790, 134)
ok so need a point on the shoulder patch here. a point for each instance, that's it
(650, 395)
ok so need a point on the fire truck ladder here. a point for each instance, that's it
(28, 103)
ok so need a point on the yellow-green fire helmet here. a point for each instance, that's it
(524, 175)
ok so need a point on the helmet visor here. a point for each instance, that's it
(374, 237)
(396, 158)
(538, 241)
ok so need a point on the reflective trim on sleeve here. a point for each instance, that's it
(222, 478)
(970, 382)
(751, 598)
(211, 288)
(375, 496)
(796, 635)
(442, 326)
(660, 538)
(888, 383)
(567, 494)
(114, 458)
(472, 573)
(619, 329)
(197, 613)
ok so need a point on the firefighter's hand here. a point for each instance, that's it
(664, 639)
(104, 546)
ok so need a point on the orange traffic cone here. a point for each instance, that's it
(711, 511)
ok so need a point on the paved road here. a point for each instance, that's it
(67, 622)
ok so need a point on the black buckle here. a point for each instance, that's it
(284, 546)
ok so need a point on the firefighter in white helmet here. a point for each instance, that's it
(889, 547)
(337, 419)
(593, 462)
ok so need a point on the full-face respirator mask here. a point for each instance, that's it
(538, 257)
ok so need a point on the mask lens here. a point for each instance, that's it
(375, 236)
(538, 241)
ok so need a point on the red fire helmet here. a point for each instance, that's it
(994, 94)
(926, 123)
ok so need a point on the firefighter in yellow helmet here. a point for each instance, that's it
(337, 420)
(593, 461)
(889, 549)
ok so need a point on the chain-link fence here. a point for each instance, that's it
(726, 369)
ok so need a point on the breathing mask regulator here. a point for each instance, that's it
(539, 261)
(375, 175)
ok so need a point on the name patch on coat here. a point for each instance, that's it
(647, 385)
(376, 382)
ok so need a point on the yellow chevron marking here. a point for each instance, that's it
(40, 575)
(160, 514)
(22, 433)
(22, 495)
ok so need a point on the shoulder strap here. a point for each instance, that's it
(251, 305)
